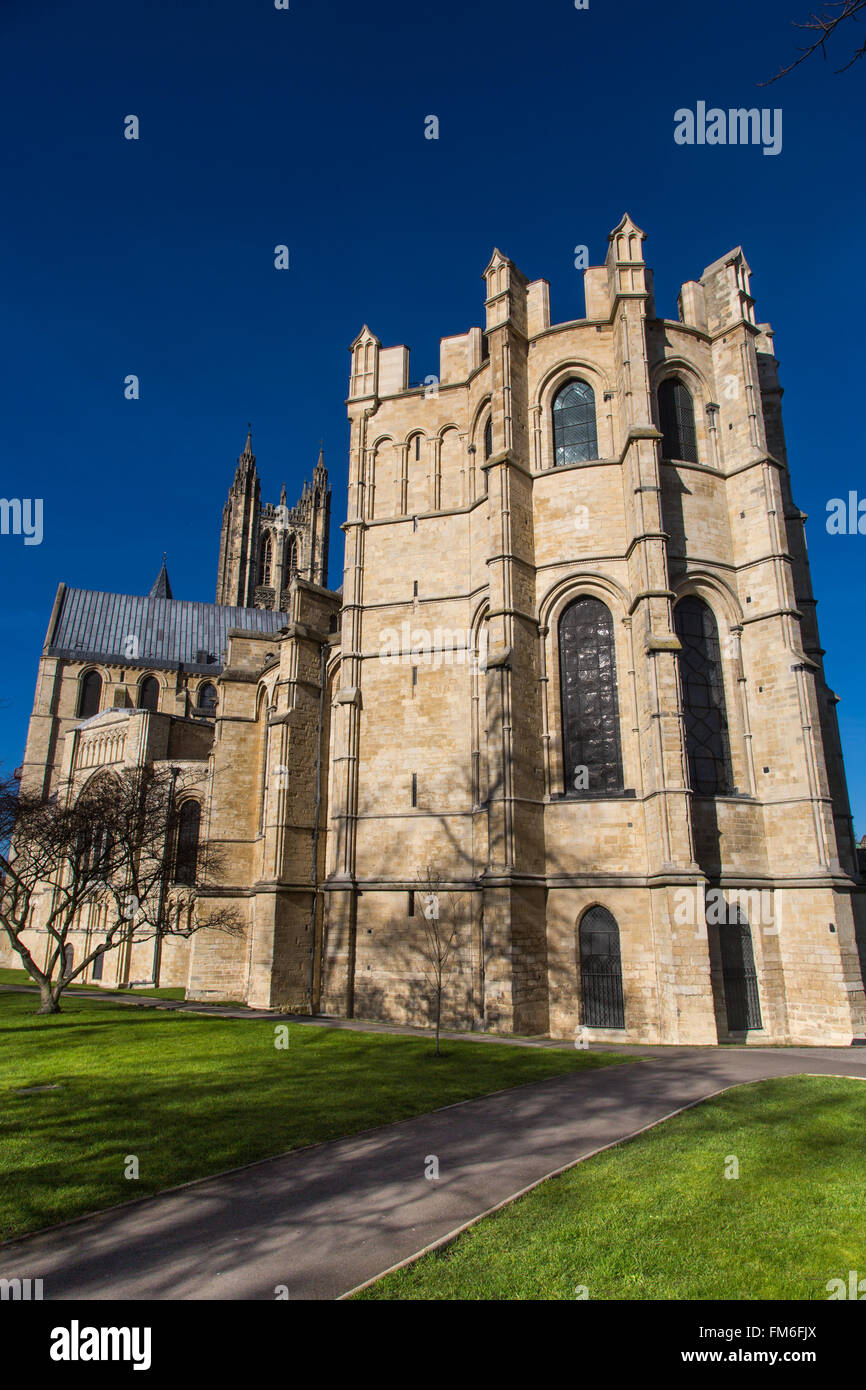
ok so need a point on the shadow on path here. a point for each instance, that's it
(325, 1219)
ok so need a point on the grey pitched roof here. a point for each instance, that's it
(162, 632)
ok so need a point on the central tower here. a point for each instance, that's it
(262, 546)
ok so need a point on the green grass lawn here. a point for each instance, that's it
(20, 977)
(191, 1095)
(655, 1218)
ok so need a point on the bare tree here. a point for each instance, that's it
(823, 25)
(111, 845)
(441, 913)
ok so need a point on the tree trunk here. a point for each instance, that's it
(438, 1016)
(49, 1003)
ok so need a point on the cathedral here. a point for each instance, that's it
(573, 672)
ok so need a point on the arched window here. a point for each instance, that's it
(574, 433)
(207, 698)
(97, 839)
(590, 713)
(89, 695)
(703, 689)
(600, 970)
(291, 556)
(265, 567)
(677, 421)
(742, 1000)
(99, 851)
(488, 439)
(148, 694)
(186, 853)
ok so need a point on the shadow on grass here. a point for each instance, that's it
(189, 1096)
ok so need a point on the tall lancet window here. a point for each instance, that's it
(291, 556)
(267, 559)
(590, 715)
(187, 847)
(703, 688)
(677, 421)
(575, 438)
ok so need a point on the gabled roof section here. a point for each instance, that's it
(626, 224)
(165, 633)
(365, 336)
(496, 260)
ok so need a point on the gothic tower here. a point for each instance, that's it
(581, 678)
(239, 542)
(262, 546)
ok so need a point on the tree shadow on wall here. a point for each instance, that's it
(486, 955)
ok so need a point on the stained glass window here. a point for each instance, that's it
(574, 433)
(703, 691)
(590, 714)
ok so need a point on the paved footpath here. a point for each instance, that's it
(323, 1220)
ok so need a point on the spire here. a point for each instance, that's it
(320, 475)
(247, 460)
(283, 495)
(238, 562)
(161, 585)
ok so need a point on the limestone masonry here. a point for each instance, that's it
(574, 668)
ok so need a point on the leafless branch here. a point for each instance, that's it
(824, 24)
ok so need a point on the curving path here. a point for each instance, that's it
(323, 1220)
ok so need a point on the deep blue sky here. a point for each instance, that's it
(306, 127)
